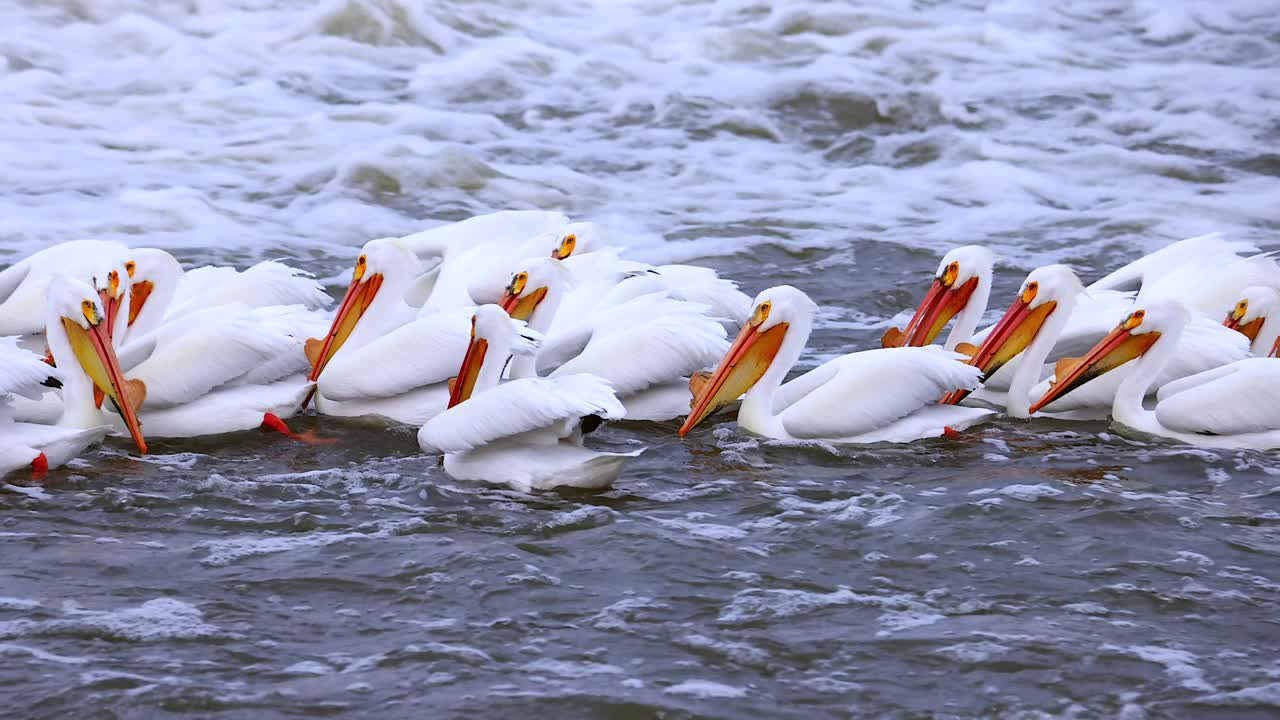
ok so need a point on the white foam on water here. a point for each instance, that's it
(1179, 664)
(571, 668)
(226, 552)
(158, 619)
(706, 689)
(226, 126)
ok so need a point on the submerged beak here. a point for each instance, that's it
(93, 349)
(747, 360)
(359, 296)
(940, 304)
(461, 387)
(1007, 339)
(521, 306)
(138, 294)
(1117, 348)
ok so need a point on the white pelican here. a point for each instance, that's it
(960, 289)
(477, 271)
(1207, 273)
(1231, 406)
(161, 291)
(223, 369)
(23, 285)
(1255, 317)
(1046, 304)
(645, 347)
(886, 395)
(77, 335)
(526, 433)
(376, 358)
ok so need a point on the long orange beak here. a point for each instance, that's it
(138, 294)
(93, 349)
(520, 307)
(1007, 339)
(1275, 349)
(465, 383)
(747, 360)
(1117, 348)
(111, 303)
(940, 304)
(355, 302)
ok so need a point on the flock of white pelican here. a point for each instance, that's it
(506, 338)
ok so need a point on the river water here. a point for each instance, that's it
(1042, 569)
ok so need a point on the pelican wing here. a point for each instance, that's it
(22, 372)
(871, 389)
(668, 347)
(267, 283)
(189, 356)
(1243, 397)
(1203, 250)
(506, 226)
(427, 351)
(517, 407)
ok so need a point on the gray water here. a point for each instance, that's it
(1043, 569)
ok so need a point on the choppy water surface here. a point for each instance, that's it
(1049, 569)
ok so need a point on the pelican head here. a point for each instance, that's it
(578, 238)
(962, 272)
(378, 260)
(111, 287)
(495, 336)
(774, 311)
(1253, 311)
(1132, 338)
(153, 278)
(1044, 289)
(78, 319)
(531, 285)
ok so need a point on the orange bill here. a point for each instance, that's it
(940, 304)
(92, 347)
(461, 387)
(138, 294)
(355, 302)
(742, 367)
(1011, 335)
(1117, 348)
(521, 306)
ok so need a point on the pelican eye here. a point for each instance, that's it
(950, 273)
(361, 264)
(761, 314)
(130, 266)
(518, 281)
(1029, 292)
(1134, 320)
(473, 327)
(90, 311)
(1241, 308)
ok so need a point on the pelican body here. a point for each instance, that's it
(526, 433)
(1227, 407)
(886, 395)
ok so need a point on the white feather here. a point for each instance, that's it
(870, 390)
(518, 407)
(1240, 398)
